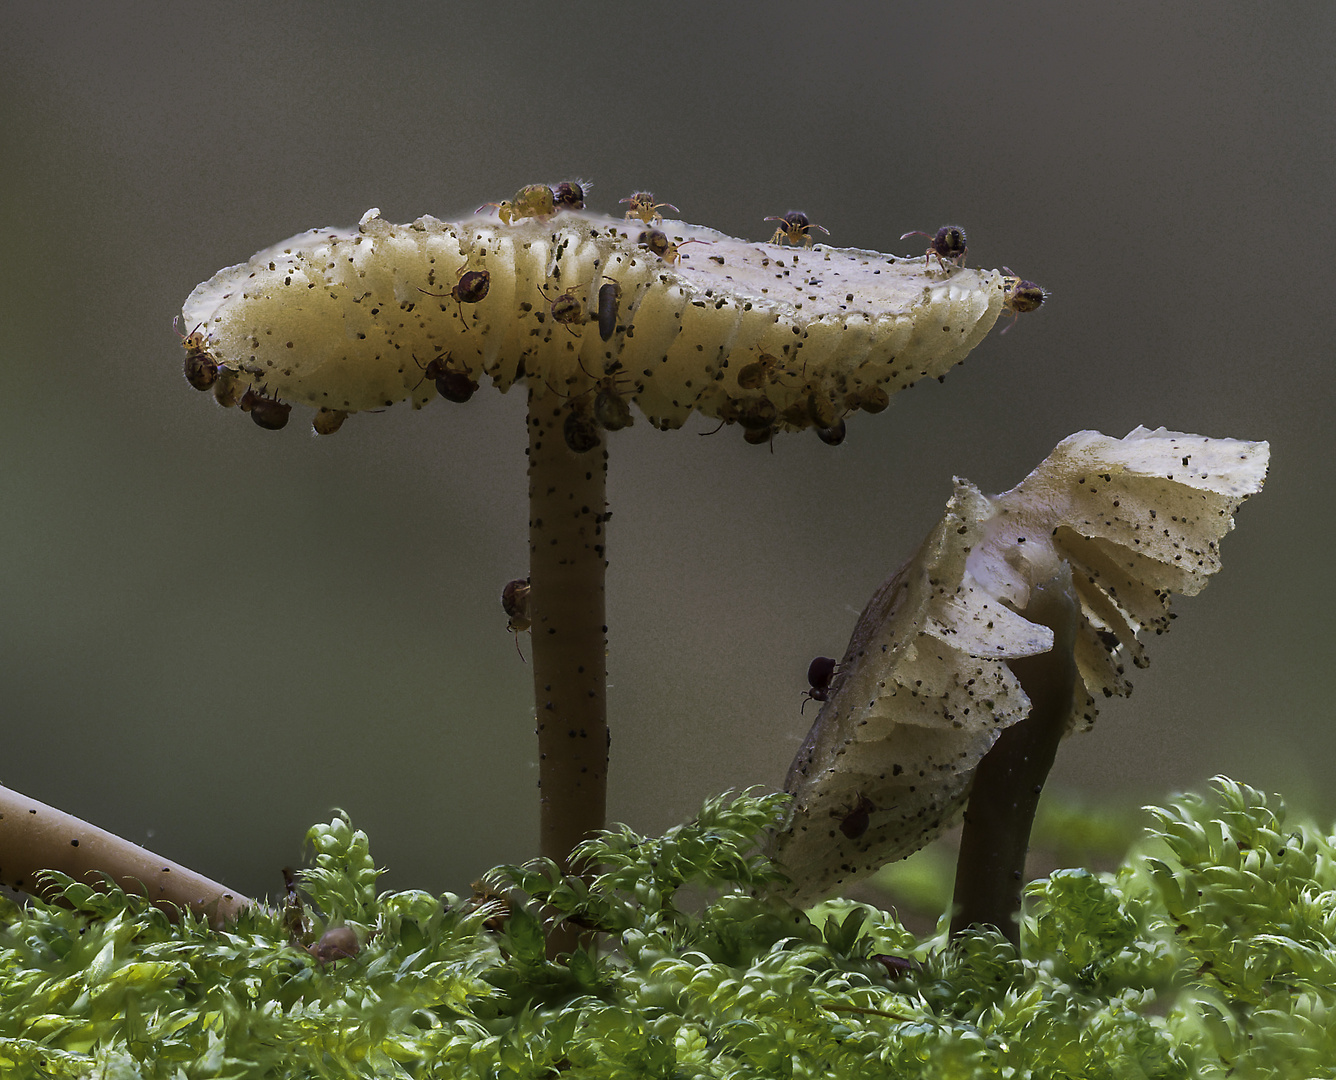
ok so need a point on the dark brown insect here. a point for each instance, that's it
(456, 386)
(645, 208)
(515, 603)
(580, 432)
(328, 421)
(452, 385)
(947, 244)
(795, 228)
(336, 943)
(471, 288)
(200, 369)
(569, 195)
(1019, 297)
(267, 412)
(819, 673)
(609, 296)
(854, 824)
(896, 966)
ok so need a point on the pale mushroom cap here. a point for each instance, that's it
(341, 319)
(922, 692)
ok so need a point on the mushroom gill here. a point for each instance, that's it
(347, 320)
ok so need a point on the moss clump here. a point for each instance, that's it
(1208, 953)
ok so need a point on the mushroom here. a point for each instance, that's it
(353, 320)
(1032, 600)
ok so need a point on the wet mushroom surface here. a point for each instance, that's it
(782, 339)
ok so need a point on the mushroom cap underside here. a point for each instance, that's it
(786, 338)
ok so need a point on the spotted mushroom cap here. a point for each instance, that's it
(345, 319)
(923, 692)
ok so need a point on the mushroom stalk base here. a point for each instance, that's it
(990, 873)
(36, 837)
(567, 498)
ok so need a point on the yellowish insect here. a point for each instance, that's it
(531, 201)
(764, 369)
(200, 369)
(645, 208)
(328, 421)
(796, 229)
(611, 409)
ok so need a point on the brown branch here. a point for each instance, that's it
(36, 837)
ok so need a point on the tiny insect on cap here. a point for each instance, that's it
(455, 386)
(820, 670)
(200, 371)
(949, 242)
(947, 245)
(569, 195)
(1024, 296)
(609, 297)
(332, 319)
(472, 287)
(270, 414)
(611, 410)
(796, 228)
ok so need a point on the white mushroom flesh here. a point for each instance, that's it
(345, 319)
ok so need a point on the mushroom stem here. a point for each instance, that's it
(36, 837)
(990, 873)
(567, 499)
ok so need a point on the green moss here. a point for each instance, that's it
(1210, 956)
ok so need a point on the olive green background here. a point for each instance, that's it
(212, 634)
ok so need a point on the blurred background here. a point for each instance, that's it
(211, 635)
